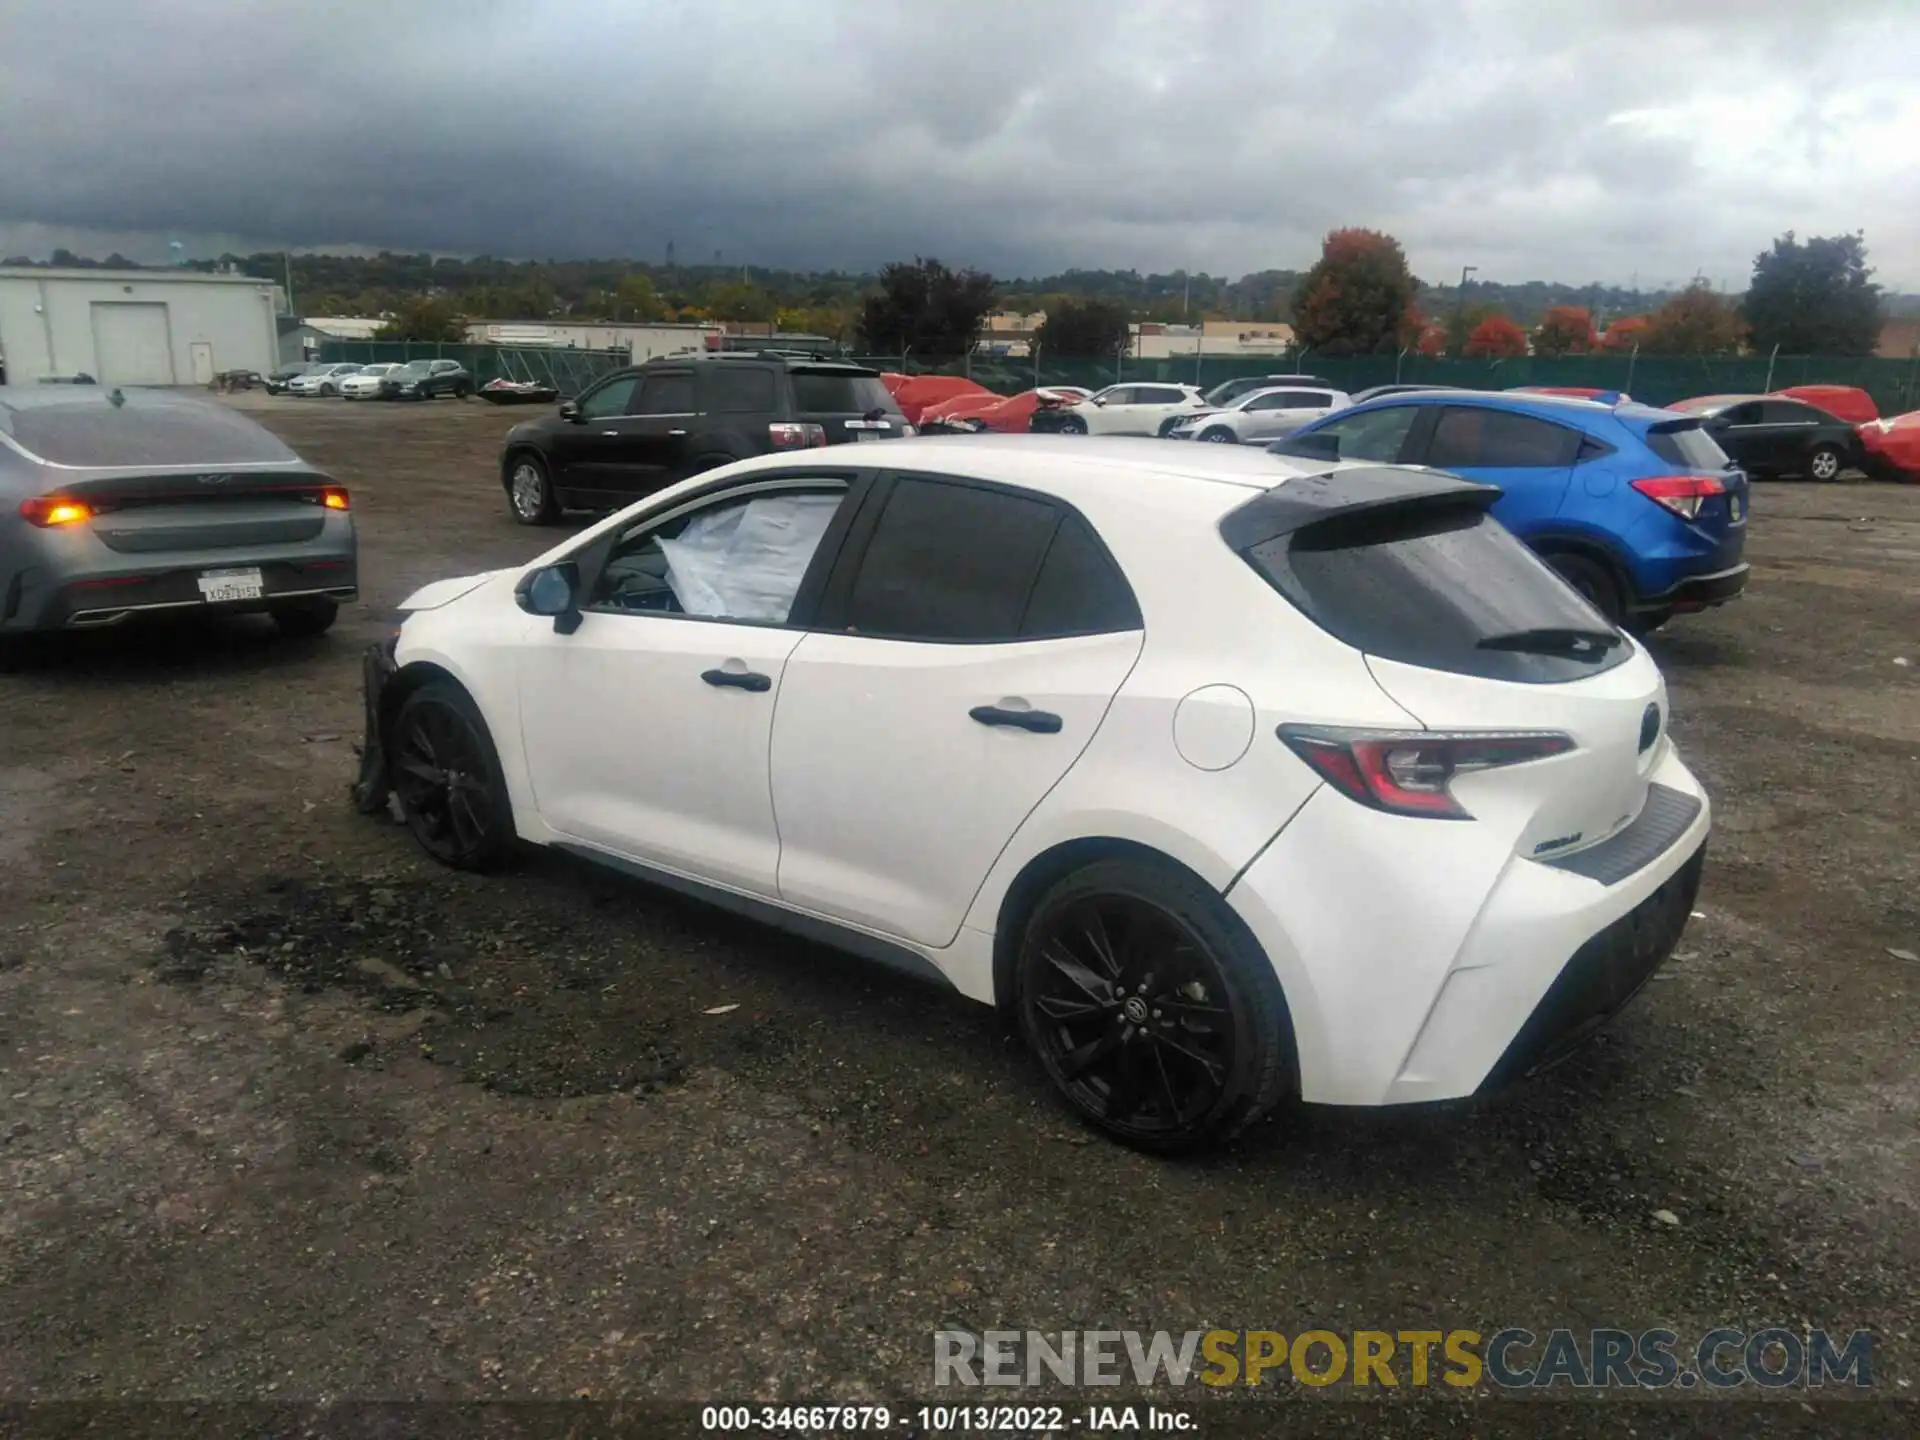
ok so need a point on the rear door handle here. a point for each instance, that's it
(1040, 722)
(676, 432)
(738, 679)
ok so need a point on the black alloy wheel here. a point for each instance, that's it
(1146, 1010)
(1072, 425)
(447, 778)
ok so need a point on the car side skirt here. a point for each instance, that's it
(876, 948)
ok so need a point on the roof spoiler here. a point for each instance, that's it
(1375, 491)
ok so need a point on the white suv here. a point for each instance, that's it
(1410, 826)
(1132, 409)
(1260, 416)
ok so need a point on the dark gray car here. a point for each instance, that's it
(115, 504)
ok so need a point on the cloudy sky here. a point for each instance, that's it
(1639, 138)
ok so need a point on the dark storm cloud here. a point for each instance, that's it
(1529, 140)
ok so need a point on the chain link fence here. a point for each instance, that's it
(1657, 380)
(568, 370)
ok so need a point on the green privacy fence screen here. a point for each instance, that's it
(1658, 380)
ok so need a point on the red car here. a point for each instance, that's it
(1014, 415)
(1848, 402)
(1892, 447)
(915, 394)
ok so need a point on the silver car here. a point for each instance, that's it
(116, 504)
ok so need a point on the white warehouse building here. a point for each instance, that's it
(135, 327)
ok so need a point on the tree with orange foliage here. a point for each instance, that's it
(1432, 341)
(1625, 333)
(1696, 322)
(1496, 337)
(1564, 330)
(1356, 297)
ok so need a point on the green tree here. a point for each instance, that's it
(1814, 297)
(927, 308)
(1083, 329)
(425, 318)
(634, 298)
(737, 300)
(1695, 322)
(1355, 298)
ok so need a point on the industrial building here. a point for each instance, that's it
(134, 327)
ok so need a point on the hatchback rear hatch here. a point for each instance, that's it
(1540, 718)
(847, 402)
(1699, 484)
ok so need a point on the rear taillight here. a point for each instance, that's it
(1408, 772)
(334, 497)
(792, 435)
(48, 511)
(1682, 494)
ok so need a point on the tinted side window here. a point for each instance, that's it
(1305, 399)
(949, 562)
(1375, 435)
(612, 398)
(1121, 395)
(1266, 402)
(1749, 414)
(1786, 412)
(1080, 590)
(1158, 395)
(745, 391)
(1471, 436)
(666, 395)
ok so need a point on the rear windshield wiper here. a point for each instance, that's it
(1551, 641)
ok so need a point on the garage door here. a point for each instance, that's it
(130, 344)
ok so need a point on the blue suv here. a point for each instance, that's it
(1637, 508)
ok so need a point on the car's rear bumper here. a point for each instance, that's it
(1434, 996)
(1698, 592)
(54, 593)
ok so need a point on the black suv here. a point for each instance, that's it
(640, 430)
(424, 379)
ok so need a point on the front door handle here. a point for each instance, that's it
(1040, 722)
(611, 434)
(738, 679)
(676, 432)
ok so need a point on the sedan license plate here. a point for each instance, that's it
(865, 435)
(242, 584)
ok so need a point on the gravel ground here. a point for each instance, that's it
(286, 1111)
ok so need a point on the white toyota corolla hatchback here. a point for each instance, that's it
(1232, 778)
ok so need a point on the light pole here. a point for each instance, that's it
(1460, 304)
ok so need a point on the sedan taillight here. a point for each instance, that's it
(50, 511)
(1407, 772)
(1682, 494)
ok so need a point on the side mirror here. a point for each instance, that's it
(1096, 399)
(570, 411)
(552, 590)
(1320, 445)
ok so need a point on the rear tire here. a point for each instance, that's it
(530, 492)
(1151, 1008)
(1824, 463)
(305, 619)
(1594, 582)
(447, 778)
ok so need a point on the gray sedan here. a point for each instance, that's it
(116, 504)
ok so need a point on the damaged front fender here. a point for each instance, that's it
(371, 790)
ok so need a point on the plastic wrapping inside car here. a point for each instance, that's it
(746, 562)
